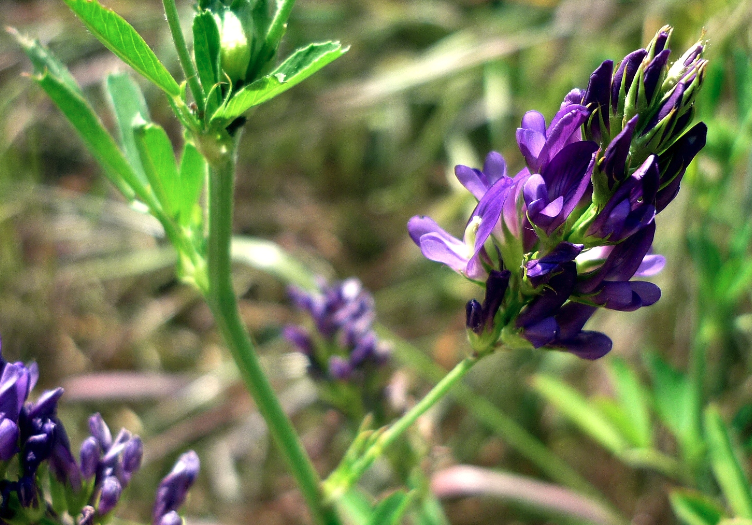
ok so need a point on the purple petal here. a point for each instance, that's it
(649, 293)
(534, 121)
(653, 72)
(651, 265)
(436, 248)
(572, 317)
(599, 87)
(531, 143)
(542, 332)
(615, 156)
(625, 75)
(474, 316)
(587, 345)
(473, 180)
(8, 439)
(495, 167)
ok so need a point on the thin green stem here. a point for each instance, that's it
(490, 415)
(173, 20)
(349, 472)
(223, 303)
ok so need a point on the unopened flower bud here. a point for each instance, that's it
(235, 50)
(111, 490)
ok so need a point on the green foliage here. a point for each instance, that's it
(123, 40)
(299, 66)
(694, 508)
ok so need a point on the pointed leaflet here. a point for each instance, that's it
(727, 468)
(695, 508)
(633, 402)
(158, 160)
(298, 66)
(581, 412)
(43, 60)
(127, 103)
(120, 38)
(206, 54)
(193, 171)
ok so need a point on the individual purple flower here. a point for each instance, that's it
(173, 489)
(551, 196)
(109, 495)
(539, 143)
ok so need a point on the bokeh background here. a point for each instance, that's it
(331, 171)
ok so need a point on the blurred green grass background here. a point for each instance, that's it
(331, 171)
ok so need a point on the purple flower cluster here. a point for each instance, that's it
(32, 436)
(568, 233)
(343, 345)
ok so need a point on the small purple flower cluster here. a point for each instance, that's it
(32, 437)
(343, 345)
(567, 234)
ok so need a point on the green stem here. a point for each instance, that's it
(223, 303)
(348, 473)
(490, 415)
(173, 20)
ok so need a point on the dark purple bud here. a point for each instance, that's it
(615, 156)
(90, 452)
(625, 75)
(62, 464)
(541, 333)
(573, 97)
(38, 448)
(364, 349)
(659, 43)
(86, 517)
(173, 489)
(674, 162)
(28, 493)
(474, 316)
(46, 405)
(670, 107)
(8, 439)
(110, 495)
(496, 287)
(132, 455)
(597, 98)
(653, 73)
(171, 518)
(626, 296)
(587, 345)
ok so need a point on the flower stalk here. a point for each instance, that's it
(224, 306)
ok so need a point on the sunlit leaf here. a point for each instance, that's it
(206, 54)
(123, 40)
(193, 170)
(299, 66)
(158, 160)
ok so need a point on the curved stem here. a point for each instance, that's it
(223, 303)
(349, 472)
(173, 20)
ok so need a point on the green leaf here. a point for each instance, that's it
(675, 402)
(123, 40)
(634, 403)
(193, 171)
(128, 105)
(694, 508)
(158, 160)
(581, 412)
(354, 507)
(45, 62)
(299, 66)
(99, 142)
(206, 54)
(727, 468)
(390, 509)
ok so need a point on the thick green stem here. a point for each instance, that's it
(223, 303)
(173, 20)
